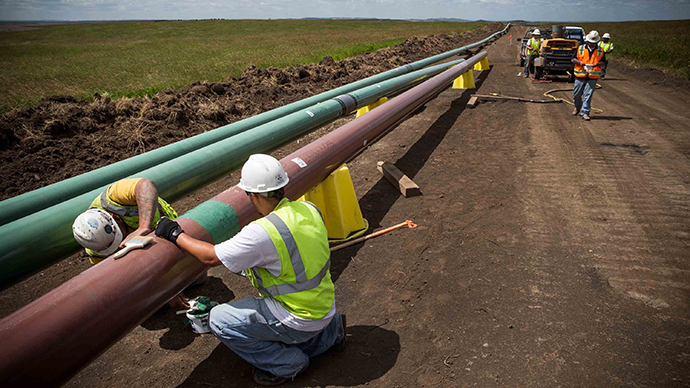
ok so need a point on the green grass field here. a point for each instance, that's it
(663, 45)
(138, 58)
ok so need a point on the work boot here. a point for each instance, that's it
(339, 346)
(576, 111)
(586, 117)
(526, 75)
(268, 379)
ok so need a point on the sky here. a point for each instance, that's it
(536, 10)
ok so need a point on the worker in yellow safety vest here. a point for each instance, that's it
(533, 46)
(286, 257)
(126, 209)
(607, 46)
(587, 71)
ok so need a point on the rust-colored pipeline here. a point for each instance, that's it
(48, 341)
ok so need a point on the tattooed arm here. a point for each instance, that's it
(147, 202)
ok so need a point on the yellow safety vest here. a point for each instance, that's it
(304, 286)
(533, 46)
(606, 47)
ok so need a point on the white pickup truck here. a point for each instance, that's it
(577, 33)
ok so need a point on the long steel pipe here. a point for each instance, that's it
(51, 339)
(28, 203)
(42, 238)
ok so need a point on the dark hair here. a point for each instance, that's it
(277, 194)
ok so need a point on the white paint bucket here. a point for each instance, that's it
(199, 323)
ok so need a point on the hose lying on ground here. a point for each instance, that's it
(548, 94)
(497, 96)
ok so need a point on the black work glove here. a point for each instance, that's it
(168, 229)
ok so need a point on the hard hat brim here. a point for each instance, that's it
(266, 190)
(116, 242)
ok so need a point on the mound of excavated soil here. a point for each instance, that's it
(62, 137)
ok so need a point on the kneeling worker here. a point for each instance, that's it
(285, 255)
(126, 209)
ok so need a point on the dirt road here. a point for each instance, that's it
(551, 252)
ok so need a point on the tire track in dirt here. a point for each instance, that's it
(633, 200)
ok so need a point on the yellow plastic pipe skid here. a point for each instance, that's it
(369, 107)
(465, 81)
(337, 200)
(482, 65)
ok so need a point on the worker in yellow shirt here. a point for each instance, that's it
(126, 209)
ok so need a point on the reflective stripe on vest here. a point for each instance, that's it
(302, 283)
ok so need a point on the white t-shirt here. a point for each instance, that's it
(252, 247)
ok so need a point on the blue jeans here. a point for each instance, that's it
(528, 61)
(249, 329)
(584, 86)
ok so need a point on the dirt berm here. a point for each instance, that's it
(62, 137)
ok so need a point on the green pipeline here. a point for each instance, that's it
(45, 237)
(28, 203)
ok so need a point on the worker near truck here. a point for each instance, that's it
(126, 209)
(533, 45)
(588, 61)
(607, 46)
(286, 257)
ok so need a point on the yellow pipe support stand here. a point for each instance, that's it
(336, 199)
(465, 81)
(482, 65)
(369, 107)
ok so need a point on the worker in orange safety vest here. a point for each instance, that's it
(588, 62)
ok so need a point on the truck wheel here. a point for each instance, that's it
(538, 72)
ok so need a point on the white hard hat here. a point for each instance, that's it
(97, 230)
(606, 36)
(262, 173)
(592, 37)
(536, 32)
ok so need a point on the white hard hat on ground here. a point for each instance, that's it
(592, 37)
(606, 36)
(97, 230)
(536, 32)
(262, 173)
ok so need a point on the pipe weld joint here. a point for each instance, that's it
(347, 102)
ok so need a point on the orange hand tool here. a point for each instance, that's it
(407, 223)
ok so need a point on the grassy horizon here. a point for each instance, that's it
(141, 58)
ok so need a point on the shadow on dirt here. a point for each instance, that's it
(376, 203)
(370, 353)
(179, 336)
(611, 118)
